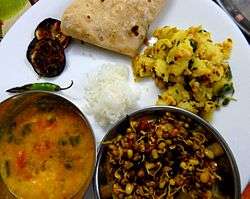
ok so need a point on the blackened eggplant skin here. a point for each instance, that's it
(51, 28)
(47, 57)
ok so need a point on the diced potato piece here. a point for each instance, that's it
(174, 94)
(165, 32)
(161, 69)
(142, 66)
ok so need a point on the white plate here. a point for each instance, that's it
(233, 122)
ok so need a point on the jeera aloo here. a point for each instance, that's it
(191, 70)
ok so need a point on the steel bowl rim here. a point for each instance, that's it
(196, 118)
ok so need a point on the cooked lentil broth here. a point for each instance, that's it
(46, 150)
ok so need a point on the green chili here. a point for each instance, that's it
(27, 129)
(74, 140)
(227, 100)
(194, 44)
(226, 89)
(46, 86)
(229, 73)
(6, 169)
(62, 142)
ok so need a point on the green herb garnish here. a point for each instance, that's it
(194, 44)
(27, 128)
(74, 140)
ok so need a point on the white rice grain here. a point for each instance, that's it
(109, 94)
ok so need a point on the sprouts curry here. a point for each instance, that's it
(164, 156)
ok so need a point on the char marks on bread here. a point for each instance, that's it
(117, 25)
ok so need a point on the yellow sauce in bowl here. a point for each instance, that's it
(47, 149)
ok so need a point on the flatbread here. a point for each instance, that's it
(117, 25)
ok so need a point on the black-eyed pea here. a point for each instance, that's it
(129, 188)
(130, 153)
(205, 177)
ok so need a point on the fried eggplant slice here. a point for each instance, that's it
(51, 28)
(46, 56)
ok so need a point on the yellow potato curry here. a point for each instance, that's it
(46, 148)
(191, 70)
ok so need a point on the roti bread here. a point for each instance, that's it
(117, 25)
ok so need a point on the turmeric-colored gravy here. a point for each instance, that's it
(47, 150)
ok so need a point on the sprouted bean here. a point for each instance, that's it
(162, 157)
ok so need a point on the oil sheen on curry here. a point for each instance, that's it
(46, 148)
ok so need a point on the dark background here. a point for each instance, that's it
(246, 36)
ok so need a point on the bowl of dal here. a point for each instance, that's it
(47, 147)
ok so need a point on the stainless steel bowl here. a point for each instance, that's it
(121, 125)
(18, 102)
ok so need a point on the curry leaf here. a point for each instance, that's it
(194, 44)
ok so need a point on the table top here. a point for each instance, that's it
(240, 13)
(5, 25)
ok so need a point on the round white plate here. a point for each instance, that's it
(233, 121)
